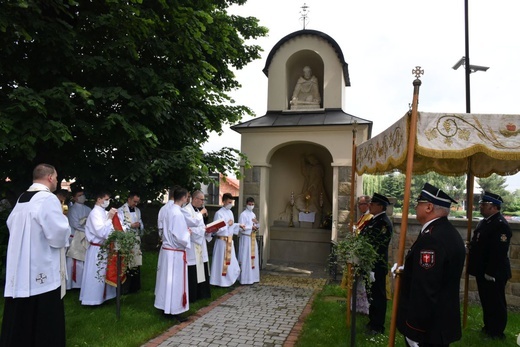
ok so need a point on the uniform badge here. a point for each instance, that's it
(427, 259)
(503, 238)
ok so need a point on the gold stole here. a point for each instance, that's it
(227, 255)
(253, 243)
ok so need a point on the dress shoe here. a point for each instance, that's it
(180, 318)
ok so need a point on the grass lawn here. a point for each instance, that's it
(140, 321)
(326, 326)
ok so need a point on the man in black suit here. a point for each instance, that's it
(489, 263)
(379, 232)
(429, 304)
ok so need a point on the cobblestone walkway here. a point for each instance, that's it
(266, 314)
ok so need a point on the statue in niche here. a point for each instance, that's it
(306, 94)
(313, 197)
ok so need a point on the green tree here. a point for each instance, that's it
(494, 183)
(497, 184)
(372, 184)
(120, 94)
(393, 185)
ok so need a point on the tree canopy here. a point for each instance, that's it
(120, 94)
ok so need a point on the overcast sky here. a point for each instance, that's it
(382, 41)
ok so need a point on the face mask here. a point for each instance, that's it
(105, 203)
(82, 199)
(250, 207)
(228, 206)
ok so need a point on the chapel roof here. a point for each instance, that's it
(326, 117)
(303, 32)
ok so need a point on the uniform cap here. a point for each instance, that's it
(435, 196)
(380, 199)
(492, 198)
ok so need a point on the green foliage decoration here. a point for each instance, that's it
(122, 242)
(356, 250)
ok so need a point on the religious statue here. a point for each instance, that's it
(306, 93)
(313, 196)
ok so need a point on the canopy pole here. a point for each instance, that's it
(412, 134)
(469, 216)
(352, 220)
(470, 178)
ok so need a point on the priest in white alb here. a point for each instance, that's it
(130, 216)
(197, 255)
(35, 266)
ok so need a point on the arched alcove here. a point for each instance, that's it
(291, 166)
(294, 70)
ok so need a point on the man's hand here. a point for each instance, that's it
(396, 269)
(242, 226)
(254, 220)
(411, 343)
(111, 213)
(135, 225)
(489, 278)
(204, 211)
(230, 222)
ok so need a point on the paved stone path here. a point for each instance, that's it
(266, 314)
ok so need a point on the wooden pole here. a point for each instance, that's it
(469, 216)
(352, 221)
(118, 288)
(412, 135)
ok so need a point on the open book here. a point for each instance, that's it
(214, 226)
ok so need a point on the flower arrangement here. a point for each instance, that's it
(356, 250)
(120, 242)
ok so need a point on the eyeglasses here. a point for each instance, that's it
(202, 199)
(418, 201)
(362, 203)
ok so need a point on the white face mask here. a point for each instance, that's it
(228, 206)
(250, 207)
(81, 199)
(105, 203)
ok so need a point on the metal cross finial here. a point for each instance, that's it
(304, 14)
(418, 72)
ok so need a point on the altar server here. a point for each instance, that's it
(247, 245)
(94, 289)
(224, 267)
(171, 287)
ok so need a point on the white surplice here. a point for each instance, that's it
(127, 218)
(77, 215)
(171, 287)
(219, 252)
(38, 233)
(249, 270)
(198, 253)
(94, 290)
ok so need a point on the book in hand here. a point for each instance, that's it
(214, 226)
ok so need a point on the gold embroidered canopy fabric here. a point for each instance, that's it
(447, 143)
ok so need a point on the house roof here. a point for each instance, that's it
(324, 36)
(325, 117)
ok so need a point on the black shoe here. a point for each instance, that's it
(372, 332)
(180, 318)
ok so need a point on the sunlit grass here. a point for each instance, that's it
(326, 325)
